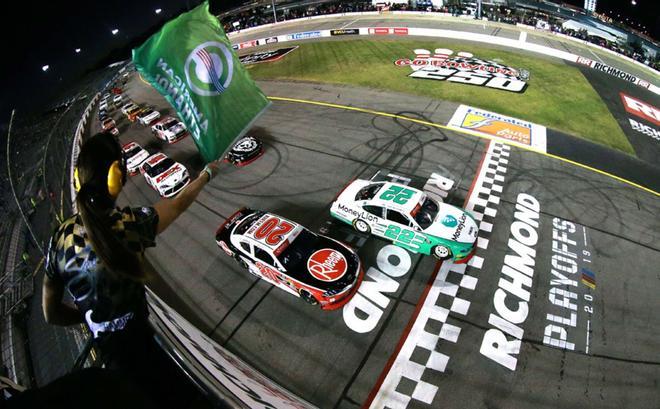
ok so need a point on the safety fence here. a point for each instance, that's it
(32, 352)
(520, 44)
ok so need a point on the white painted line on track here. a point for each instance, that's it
(348, 24)
(588, 326)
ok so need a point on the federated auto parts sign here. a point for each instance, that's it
(493, 125)
(464, 68)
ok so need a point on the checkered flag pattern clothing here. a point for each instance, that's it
(73, 262)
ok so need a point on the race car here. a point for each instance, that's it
(108, 125)
(147, 115)
(169, 129)
(126, 107)
(407, 217)
(132, 113)
(165, 175)
(135, 157)
(318, 269)
(245, 151)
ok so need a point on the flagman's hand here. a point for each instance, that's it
(211, 169)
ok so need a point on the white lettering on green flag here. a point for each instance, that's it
(191, 63)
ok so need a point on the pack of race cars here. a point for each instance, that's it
(316, 268)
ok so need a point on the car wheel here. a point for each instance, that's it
(362, 226)
(308, 297)
(441, 252)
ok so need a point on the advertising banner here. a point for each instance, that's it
(464, 68)
(345, 32)
(613, 71)
(303, 36)
(388, 30)
(191, 63)
(265, 56)
(493, 125)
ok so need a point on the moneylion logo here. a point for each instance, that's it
(209, 68)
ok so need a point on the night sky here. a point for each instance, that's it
(41, 33)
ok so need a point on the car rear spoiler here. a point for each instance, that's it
(231, 220)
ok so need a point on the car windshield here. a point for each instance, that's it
(160, 167)
(170, 123)
(245, 224)
(132, 151)
(426, 214)
(297, 252)
(368, 192)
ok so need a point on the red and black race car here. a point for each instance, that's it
(316, 268)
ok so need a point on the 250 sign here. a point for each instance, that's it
(480, 78)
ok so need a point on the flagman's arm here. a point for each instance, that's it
(169, 209)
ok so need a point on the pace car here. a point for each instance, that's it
(169, 129)
(407, 217)
(135, 156)
(147, 115)
(245, 151)
(316, 268)
(165, 175)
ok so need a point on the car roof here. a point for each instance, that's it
(406, 207)
(285, 240)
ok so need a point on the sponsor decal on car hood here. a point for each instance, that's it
(454, 224)
(327, 265)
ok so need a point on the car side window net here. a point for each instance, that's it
(397, 217)
(375, 210)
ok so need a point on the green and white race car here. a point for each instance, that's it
(408, 217)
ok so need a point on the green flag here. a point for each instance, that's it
(191, 62)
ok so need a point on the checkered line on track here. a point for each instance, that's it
(420, 351)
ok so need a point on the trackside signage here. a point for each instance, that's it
(493, 125)
(640, 109)
(613, 71)
(191, 63)
(464, 68)
(247, 385)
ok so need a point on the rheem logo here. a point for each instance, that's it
(327, 265)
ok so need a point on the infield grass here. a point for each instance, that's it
(558, 96)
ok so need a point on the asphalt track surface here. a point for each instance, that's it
(449, 23)
(311, 152)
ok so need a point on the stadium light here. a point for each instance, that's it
(45, 68)
(158, 11)
(115, 31)
(77, 50)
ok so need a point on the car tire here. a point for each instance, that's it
(441, 252)
(308, 297)
(361, 226)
